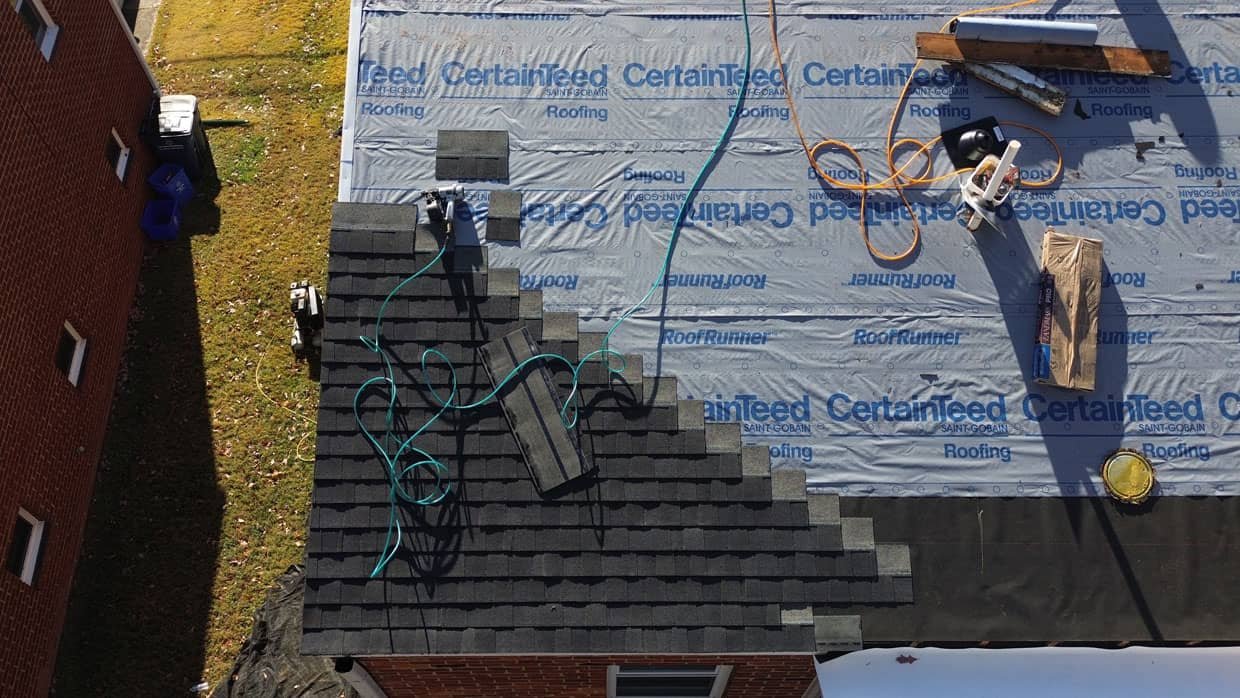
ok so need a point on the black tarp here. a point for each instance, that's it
(270, 664)
(1072, 570)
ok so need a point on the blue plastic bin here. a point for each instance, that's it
(171, 181)
(162, 219)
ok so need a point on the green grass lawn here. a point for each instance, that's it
(205, 485)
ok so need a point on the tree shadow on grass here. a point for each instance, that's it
(142, 597)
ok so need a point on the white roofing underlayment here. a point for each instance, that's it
(1064, 672)
(877, 379)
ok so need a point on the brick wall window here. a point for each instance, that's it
(27, 540)
(117, 154)
(39, 23)
(70, 353)
(667, 682)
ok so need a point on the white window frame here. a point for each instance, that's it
(722, 673)
(79, 353)
(30, 561)
(51, 30)
(122, 160)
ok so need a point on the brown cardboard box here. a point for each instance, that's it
(1066, 351)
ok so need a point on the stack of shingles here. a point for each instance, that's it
(683, 540)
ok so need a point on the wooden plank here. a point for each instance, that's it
(1017, 81)
(1099, 59)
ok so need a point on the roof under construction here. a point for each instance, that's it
(817, 439)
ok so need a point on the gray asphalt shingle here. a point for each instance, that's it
(680, 540)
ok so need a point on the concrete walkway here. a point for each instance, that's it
(141, 16)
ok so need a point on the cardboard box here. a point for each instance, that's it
(1069, 300)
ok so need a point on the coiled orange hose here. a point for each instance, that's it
(899, 177)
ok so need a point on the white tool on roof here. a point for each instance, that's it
(441, 203)
(988, 186)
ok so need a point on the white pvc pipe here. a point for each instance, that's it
(1005, 163)
(1032, 31)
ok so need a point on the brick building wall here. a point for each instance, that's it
(70, 249)
(574, 676)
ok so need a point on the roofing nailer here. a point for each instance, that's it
(441, 203)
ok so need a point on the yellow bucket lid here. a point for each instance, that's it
(1128, 476)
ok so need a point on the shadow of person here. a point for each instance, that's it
(1104, 110)
(1075, 445)
(1183, 103)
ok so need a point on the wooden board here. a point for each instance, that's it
(1099, 59)
(1017, 81)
